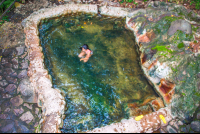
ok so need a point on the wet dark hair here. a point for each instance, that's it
(85, 46)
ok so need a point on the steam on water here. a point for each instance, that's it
(97, 92)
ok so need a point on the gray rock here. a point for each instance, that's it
(28, 106)
(9, 71)
(7, 127)
(26, 58)
(27, 117)
(20, 50)
(19, 111)
(15, 63)
(27, 91)
(3, 83)
(6, 95)
(8, 65)
(10, 88)
(184, 129)
(15, 66)
(36, 124)
(11, 79)
(23, 23)
(180, 25)
(24, 129)
(16, 101)
(22, 74)
(0, 77)
(37, 111)
(4, 116)
(198, 116)
(7, 52)
(4, 61)
(7, 110)
(170, 129)
(24, 65)
(1, 89)
(195, 125)
(198, 75)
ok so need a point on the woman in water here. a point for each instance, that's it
(85, 51)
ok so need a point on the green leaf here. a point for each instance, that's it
(180, 45)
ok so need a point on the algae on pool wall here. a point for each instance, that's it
(97, 92)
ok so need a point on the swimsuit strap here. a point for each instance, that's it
(88, 50)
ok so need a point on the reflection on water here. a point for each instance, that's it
(97, 92)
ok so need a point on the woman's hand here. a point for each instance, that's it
(84, 59)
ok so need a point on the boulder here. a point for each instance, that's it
(27, 91)
(180, 25)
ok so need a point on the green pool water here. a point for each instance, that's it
(97, 92)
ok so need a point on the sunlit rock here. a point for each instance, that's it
(180, 25)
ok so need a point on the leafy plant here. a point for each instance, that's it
(161, 48)
(180, 45)
(196, 2)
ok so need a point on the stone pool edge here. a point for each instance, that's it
(50, 100)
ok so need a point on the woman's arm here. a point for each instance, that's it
(86, 57)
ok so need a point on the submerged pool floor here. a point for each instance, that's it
(97, 92)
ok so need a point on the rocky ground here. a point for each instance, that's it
(19, 112)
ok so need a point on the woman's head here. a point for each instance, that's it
(85, 46)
